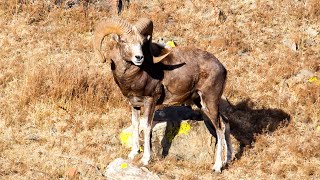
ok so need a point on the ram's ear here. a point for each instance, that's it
(116, 38)
(164, 53)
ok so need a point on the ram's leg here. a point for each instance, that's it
(228, 143)
(135, 132)
(221, 145)
(210, 106)
(149, 107)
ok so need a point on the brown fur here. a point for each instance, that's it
(184, 75)
(176, 78)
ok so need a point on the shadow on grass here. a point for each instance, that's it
(245, 122)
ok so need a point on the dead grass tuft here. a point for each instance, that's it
(312, 9)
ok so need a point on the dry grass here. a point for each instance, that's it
(60, 109)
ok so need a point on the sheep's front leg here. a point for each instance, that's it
(135, 132)
(149, 107)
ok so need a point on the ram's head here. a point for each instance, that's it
(129, 38)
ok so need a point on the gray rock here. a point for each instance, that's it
(312, 32)
(290, 44)
(123, 169)
(178, 132)
(302, 76)
(186, 140)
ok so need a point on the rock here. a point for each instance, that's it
(302, 76)
(123, 169)
(186, 140)
(178, 132)
(114, 6)
(71, 173)
(290, 44)
(312, 32)
(288, 87)
(309, 42)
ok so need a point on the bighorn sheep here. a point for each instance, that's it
(148, 78)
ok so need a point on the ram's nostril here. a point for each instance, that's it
(139, 57)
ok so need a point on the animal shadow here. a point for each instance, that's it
(245, 122)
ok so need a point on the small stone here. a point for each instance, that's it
(123, 169)
(71, 172)
(312, 32)
(290, 44)
(302, 76)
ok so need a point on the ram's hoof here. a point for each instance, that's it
(217, 168)
(132, 155)
(145, 161)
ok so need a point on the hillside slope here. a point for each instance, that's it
(61, 112)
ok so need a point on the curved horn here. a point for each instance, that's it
(144, 26)
(106, 27)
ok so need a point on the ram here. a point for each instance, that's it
(150, 76)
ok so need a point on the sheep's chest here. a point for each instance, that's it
(136, 86)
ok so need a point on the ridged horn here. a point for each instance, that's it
(144, 26)
(106, 27)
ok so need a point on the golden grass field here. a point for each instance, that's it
(60, 110)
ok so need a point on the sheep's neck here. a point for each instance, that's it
(137, 82)
(131, 73)
(130, 78)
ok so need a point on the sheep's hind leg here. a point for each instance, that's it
(210, 106)
(228, 144)
(220, 144)
(135, 132)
